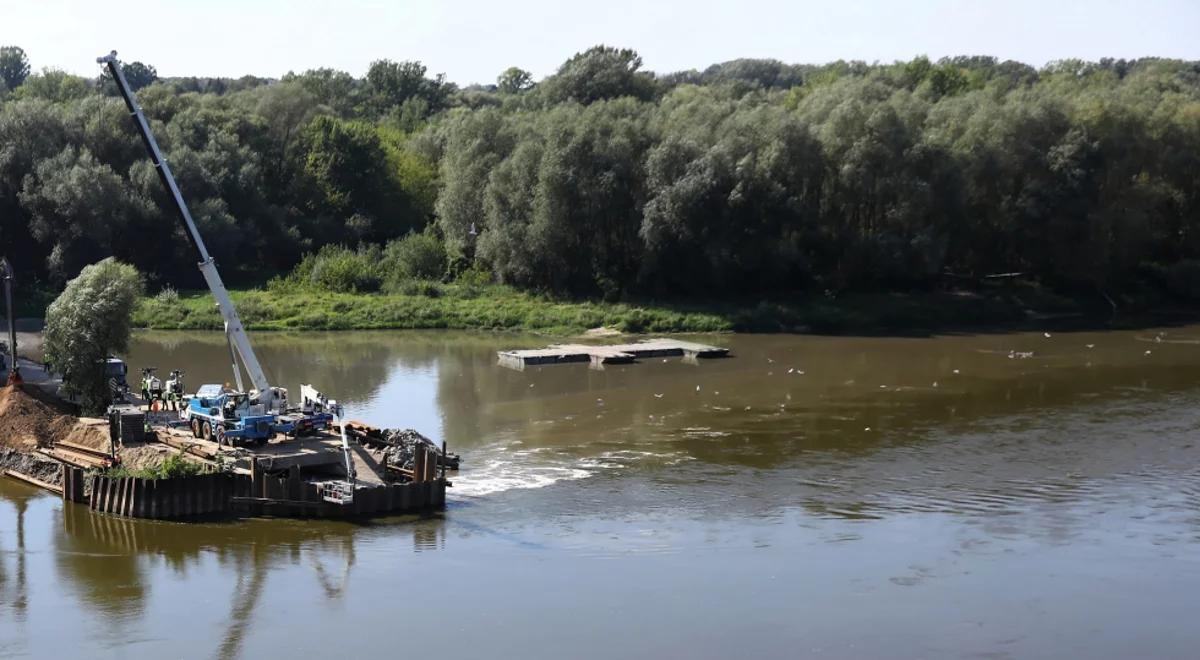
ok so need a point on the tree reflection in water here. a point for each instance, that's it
(105, 559)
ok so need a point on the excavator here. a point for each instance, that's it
(265, 404)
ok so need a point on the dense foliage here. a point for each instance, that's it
(746, 178)
(89, 322)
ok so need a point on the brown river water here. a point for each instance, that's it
(995, 495)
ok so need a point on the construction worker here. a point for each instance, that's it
(175, 390)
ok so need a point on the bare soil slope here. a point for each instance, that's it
(30, 418)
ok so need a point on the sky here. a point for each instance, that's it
(474, 40)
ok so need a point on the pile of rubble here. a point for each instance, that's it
(399, 446)
(30, 464)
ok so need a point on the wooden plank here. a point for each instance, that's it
(33, 481)
(73, 459)
(83, 449)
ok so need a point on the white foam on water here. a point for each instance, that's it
(538, 467)
(497, 476)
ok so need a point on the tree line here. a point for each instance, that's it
(603, 179)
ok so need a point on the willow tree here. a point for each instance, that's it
(90, 321)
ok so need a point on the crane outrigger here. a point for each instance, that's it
(223, 415)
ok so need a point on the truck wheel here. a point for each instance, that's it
(195, 428)
(208, 432)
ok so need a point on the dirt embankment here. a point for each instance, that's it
(31, 418)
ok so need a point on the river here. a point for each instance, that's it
(991, 495)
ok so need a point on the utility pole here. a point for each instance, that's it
(14, 371)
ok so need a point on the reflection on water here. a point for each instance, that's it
(638, 508)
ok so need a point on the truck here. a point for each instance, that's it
(228, 417)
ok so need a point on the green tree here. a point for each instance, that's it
(336, 90)
(285, 108)
(90, 321)
(54, 85)
(601, 72)
(78, 206)
(139, 75)
(514, 80)
(14, 66)
(390, 84)
(348, 166)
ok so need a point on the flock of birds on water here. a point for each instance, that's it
(1012, 355)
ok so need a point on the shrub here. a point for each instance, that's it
(254, 307)
(339, 269)
(416, 256)
(168, 297)
(174, 466)
(476, 275)
(415, 288)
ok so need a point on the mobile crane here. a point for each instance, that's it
(264, 403)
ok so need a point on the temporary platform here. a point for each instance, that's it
(608, 354)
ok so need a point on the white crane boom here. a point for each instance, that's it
(233, 323)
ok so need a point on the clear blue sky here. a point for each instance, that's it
(473, 40)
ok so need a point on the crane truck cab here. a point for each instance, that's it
(229, 417)
(116, 375)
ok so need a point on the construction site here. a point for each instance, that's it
(144, 462)
(161, 451)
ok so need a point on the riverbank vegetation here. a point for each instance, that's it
(400, 199)
(463, 306)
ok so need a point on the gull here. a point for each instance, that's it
(867, 429)
(791, 370)
(1091, 345)
(1147, 352)
(1046, 335)
(956, 371)
(531, 384)
(697, 388)
(935, 383)
(658, 396)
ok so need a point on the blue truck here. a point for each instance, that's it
(229, 418)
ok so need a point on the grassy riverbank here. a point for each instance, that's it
(472, 307)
